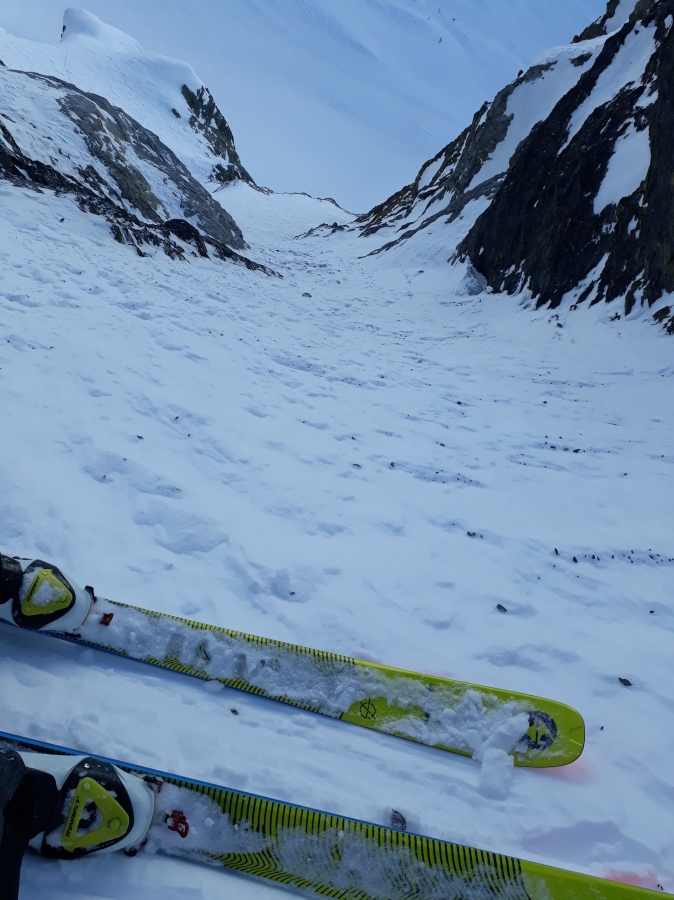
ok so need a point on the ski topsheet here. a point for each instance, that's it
(333, 856)
(439, 712)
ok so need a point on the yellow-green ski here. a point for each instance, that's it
(333, 856)
(449, 715)
(429, 710)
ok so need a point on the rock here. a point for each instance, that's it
(559, 221)
(454, 168)
(621, 251)
(96, 159)
(598, 28)
(207, 119)
(398, 820)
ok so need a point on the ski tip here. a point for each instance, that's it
(556, 736)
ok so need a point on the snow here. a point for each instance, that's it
(344, 100)
(533, 101)
(627, 168)
(204, 440)
(78, 24)
(621, 15)
(465, 720)
(274, 409)
(628, 67)
(361, 863)
(42, 129)
(144, 85)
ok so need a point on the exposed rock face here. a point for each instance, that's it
(207, 119)
(445, 180)
(55, 136)
(564, 185)
(547, 228)
(463, 173)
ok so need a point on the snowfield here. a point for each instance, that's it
(276, 477)
(362, 457)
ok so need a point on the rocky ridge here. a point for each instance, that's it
(466, 174)
(55, 136)
(207, 120)
(561, 187)
(585, 210)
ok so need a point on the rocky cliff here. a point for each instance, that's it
(563, 185)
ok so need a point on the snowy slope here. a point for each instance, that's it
(342, 99)
(470, 169)
(253, 491)
(163, 94)
(56, 137)
(590, 189)
(213, 442)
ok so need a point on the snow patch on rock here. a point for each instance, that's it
(627, 168)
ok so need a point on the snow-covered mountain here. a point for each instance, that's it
(560, 189)
(55, 136)
(377, 454)
(339, 99)
(165, 95)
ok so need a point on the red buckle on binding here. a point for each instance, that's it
(106, 618)
(177, 822)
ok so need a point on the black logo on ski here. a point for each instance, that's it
(544, 731)
(367, 709)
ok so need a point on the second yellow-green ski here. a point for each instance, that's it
(439, 712)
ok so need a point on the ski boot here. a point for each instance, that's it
(66, 807)
(27, 798)
(36, 595)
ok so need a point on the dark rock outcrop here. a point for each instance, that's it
(115, 138)
(598, 28)
(126, 227)
(541, 231)
(206, 119)
(442, 187)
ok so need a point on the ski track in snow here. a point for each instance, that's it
(209, 442)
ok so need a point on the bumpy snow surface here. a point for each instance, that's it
(360, 457)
